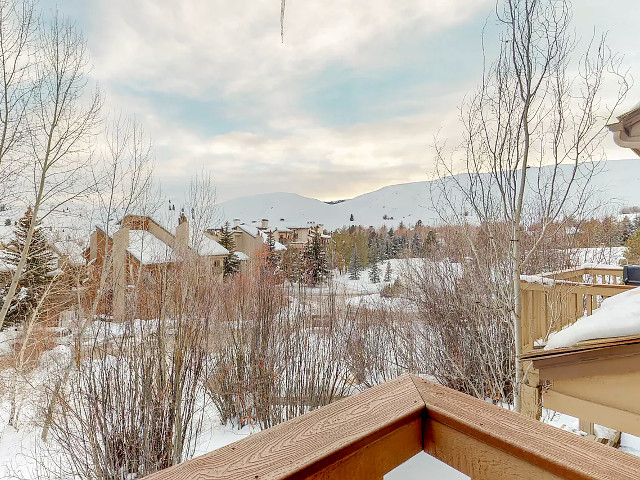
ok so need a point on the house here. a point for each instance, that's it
(140, 251)
(250, 239)
(626, 131)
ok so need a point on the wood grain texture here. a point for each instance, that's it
(310, 443)
(555, 451)
(379, 457)
(477, 459)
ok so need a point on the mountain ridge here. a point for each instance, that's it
(406, 202)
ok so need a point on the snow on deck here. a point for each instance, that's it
(148, 249)
(617, 317)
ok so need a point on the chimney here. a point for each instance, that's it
(182, 233)
(265, 223)
(236, 222)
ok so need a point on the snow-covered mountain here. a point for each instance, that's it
(616, 185)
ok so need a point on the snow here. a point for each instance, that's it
(208, 246)
(407, 202)
(148, 249)
(598, 255)
(618, 316)
(250, 229)
(628, 443)
(241, 256)
(71, 249)
(278, 247)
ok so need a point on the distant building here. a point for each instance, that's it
(141, 250)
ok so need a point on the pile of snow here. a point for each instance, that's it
(617, 317)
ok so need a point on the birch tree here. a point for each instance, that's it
(61, 118)
(531, 131)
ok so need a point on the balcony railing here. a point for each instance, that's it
(551, 301)
(369, 434)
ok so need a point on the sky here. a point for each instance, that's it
(349, 103)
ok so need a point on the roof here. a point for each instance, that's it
(71, 249)
(209, 246)
(593, 357)
(148, 249)
(251, 230)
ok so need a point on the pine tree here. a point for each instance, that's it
(230, 264)
(374, 271)
(36, 273)
(315, 261)
(272, 255)
(387, 273)
(354, 266)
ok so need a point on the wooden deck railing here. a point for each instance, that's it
(369, 434)
(551, 301)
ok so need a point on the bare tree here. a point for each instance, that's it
(61, 122)
(529, 131)
(17, 22)
(201, 207)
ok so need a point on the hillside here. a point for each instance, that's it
(615, 186)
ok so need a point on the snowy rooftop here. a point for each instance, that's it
(618, 316)
(71, 249)
(241, 256)
(277, 245)
(251, 230)
(208, 246)
(148, 249)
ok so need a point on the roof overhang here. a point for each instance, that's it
(592, 357)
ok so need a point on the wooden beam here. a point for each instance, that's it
(475, 458)
(593, 412)
(555, 451)
(304, 446)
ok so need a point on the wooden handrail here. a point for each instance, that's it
(368, 434)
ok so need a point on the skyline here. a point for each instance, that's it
(349, 103)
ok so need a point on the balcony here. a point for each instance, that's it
(367, 435)
(552, 301)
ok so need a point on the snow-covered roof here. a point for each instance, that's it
(71, 249)
(618, 316)
(208, 246)
(148, 249)
(276, 245)
(241, 256)
(250, 229)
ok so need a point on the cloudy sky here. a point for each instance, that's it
(350, 102)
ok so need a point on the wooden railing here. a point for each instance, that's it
(369, 434)
(551, 301)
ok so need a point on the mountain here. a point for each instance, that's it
(616, 184)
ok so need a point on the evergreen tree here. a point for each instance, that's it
(315, 260)
(387, 273)
(354, 266)
(374, 271)
(230, 264)
(36, 273)
(272, 255)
